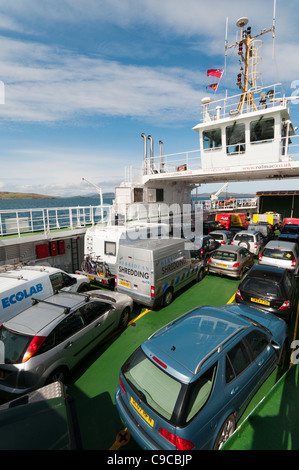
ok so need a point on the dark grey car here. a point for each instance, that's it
(45, 342)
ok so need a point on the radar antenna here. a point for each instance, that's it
(250, 54)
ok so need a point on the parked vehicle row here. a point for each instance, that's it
(175, 392)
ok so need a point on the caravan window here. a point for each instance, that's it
(235, 139)
(262, 130)
(110, 248)
(212, 139)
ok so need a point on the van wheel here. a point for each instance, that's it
(168, 297)
(60, 375)
(200, 275)
(124, 318)
(225, 432)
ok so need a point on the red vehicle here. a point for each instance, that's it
(235, 219)
(289, 221)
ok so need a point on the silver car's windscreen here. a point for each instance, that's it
(224, 256)
(15, 345)
(154, 386)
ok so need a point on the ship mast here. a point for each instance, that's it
(250, 54)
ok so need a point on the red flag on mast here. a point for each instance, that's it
(214, 86)
(215, 72)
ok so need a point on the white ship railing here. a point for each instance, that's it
(270, 96)
(229, 204)
(21, 221)
(191, 160)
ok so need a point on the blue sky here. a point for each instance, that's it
(84, 79)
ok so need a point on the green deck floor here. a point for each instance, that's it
(94, 383)
(274, 423)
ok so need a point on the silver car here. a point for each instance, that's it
(281, 254)
(252, 240)
(44, 342)
(230, 260)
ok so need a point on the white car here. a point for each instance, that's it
(281, 254)
(251, 240)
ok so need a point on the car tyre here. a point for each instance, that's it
(225, 432)
(200, 275)
(59, 375)
(168, 297)
(124, 318)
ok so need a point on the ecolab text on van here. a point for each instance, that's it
(22, 294)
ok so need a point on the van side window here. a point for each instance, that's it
(60, 280)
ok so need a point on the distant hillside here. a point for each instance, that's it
(11, 195)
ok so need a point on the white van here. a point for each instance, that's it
(103, 242)
(19, 286)
(151, 271)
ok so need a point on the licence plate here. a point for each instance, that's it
(144, 415)
(259, 301)
(123, 283)
(222, 265)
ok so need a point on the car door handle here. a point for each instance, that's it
(98, 324)
(68, 345)
(234, 390)
(261, 362)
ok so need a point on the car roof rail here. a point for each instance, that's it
(218, 348)
(35, 301)
(82, 294)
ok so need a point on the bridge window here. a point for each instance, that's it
(262, 130)
(212, 139)
(235, 139)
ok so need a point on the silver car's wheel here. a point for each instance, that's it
(225, 432)
(58, 375)
(124, 318)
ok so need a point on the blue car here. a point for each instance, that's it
(187, 386)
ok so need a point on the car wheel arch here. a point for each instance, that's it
(220, 425)
(54, 374)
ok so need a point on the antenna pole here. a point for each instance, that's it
(273, 34)
(226, 30)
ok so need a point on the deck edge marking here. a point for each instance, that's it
(139, 316)
(231, 299)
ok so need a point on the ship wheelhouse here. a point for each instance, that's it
(259, 136)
